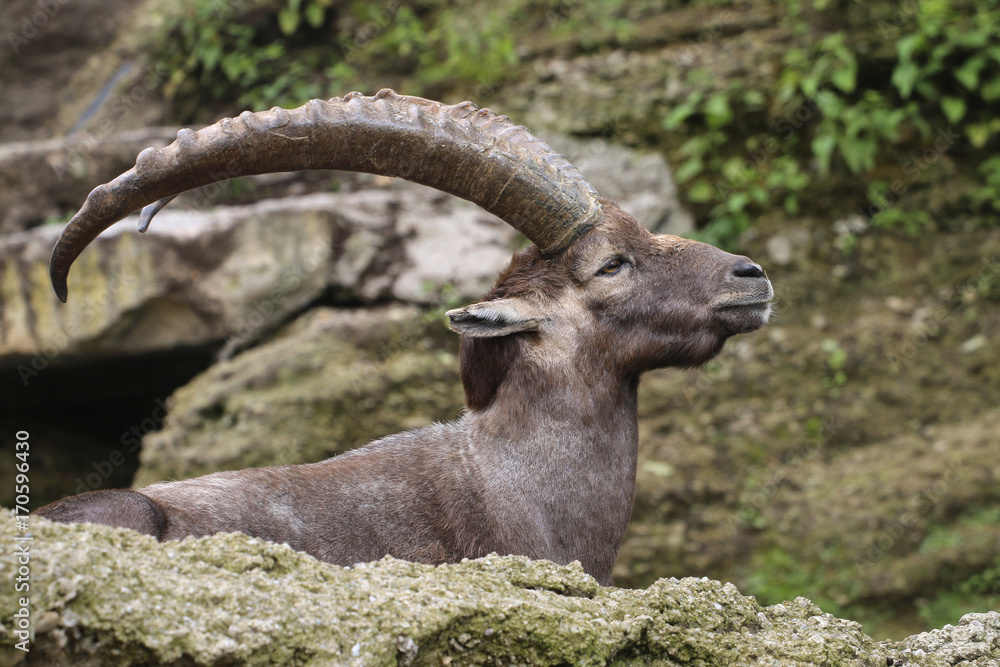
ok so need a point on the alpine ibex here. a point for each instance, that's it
(543, 461)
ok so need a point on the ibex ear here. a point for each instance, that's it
(493, 318)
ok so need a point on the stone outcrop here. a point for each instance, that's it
(46, 43)
(102, 596)
(331, 381)
(236, 272)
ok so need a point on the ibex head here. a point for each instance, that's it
(633, 299)
(594, 282)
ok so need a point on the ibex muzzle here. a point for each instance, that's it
(543, 462)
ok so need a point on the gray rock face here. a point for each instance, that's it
(235, 272)
(102, 596)
(642, 183)
(45, 43)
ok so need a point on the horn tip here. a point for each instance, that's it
(60, 287)
(58, 272)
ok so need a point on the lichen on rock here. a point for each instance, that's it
(111, 596)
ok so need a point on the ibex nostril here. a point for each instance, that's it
(748, 270)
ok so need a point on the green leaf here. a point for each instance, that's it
(968, 73)
(753, 98)
(904, 77)
(858, 153)
(990, 90)
(913, 114)
(718, 112)
(288, 20)
(681, 113)
(211, 55)
(701, 192)
(737, 202)
(953, 108)
(822, 148)
(907, 45)
(691, 168)
(845, 77)
(926, 89)
(978, 134)
(791, 204)
(973, 39)
(811, 84)
(314, 14)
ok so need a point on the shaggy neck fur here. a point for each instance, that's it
(567, 451)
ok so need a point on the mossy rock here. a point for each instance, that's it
(329, 382)
(103, 596)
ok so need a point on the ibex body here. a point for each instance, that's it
(543, 462)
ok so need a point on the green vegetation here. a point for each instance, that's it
(974, 530)
(870, 112)
(785, 576)
(260, 53)
(239, 51)
(837, 361)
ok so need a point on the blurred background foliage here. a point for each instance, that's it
(873, 81)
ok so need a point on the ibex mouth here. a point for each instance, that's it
(744, 312)
(747, 307)
(758, 298)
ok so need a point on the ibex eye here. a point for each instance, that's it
(612, 267)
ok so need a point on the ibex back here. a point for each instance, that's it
(543, 461)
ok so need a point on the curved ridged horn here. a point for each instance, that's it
(460, 149)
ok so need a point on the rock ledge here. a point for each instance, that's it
(104, 596)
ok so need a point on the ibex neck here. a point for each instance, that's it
(563, 460)
(594, 407)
